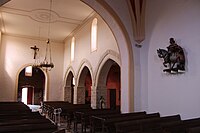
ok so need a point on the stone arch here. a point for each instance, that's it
(109, 54)
(45, 95)
(126, 53)
(84, 71)
(109, 59)
(113, 86)
(69, 86)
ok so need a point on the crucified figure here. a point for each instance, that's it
(35, 51)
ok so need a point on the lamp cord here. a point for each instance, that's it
(50, 10)
(48, 48)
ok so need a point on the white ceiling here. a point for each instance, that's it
(30, 18)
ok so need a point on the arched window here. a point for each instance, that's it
(94, 35)
(72, 48)
(28, 71)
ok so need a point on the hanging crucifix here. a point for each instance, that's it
(35, 51)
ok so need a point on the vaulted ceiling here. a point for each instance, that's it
(30, 18)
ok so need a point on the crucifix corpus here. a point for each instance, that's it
(36, 49)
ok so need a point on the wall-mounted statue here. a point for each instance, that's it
(174, 57)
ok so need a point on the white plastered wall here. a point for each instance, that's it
(153, 90)
(16, 53)
(172, 94)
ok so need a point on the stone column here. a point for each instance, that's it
(93, 97)
(75, 94)
(81, 95)
(101, 91)
(68, 92)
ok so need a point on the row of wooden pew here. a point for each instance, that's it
(56, 109)
(113, 121)
(141, 122)
(16, 117)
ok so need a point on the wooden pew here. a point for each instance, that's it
(17, 117)
(23, 121)
(135, 124)
(190, 123)
(109, 124)
(83, 117)
(47, 131)
(159, 125)
(20, 116)
(193, 129)
(13, 107)
(28, 127)
(150, 125)
(10, 103)
(29, 123)
(67, 108)
(174, 127)
(68, 112)
(54, 104)
(170, 118)
(60, 131)
(106, 123)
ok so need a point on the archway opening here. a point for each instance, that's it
(84, 87)
(88, 85)
(69, 88)
(113, 87)
(31, 86)
(109, 87)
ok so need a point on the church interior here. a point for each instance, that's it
(104, 66)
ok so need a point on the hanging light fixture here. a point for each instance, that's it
(47, 64)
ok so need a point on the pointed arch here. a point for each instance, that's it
(69, 85)
(85, 73)
(85, 63)
(109, 59)
(68, 70)
(109, 54)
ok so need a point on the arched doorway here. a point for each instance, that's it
(108, 85)
(31, 85)
(88, 84)
(113, 87)
(69, 88)
(84, 87)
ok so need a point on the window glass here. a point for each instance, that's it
(28, 71)
(72, 48)
(94, 35)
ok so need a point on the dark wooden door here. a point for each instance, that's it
(30, 95)
(72, 94)
(113, 98)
